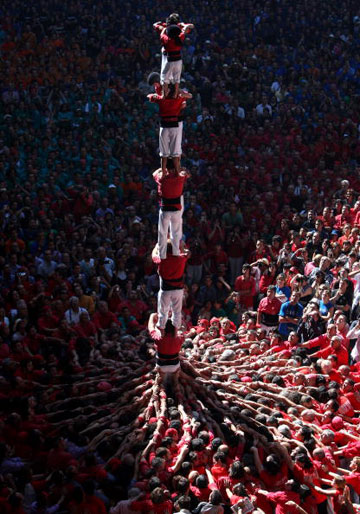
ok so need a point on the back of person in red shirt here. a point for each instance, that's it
(172, 36)
(168, 345)
(170, 190)
(170, 133)
(170, 296)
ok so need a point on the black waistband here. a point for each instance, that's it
(269, 319)
(173, 53)
(171, 284)
(170, 201)
(169, 123)
(166, 356)
(171, 362)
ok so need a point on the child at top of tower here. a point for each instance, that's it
(172, 35)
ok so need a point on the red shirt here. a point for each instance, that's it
(354, 481)
(242, 285)
(170, 109)
(280, 498)
(170, 187)
(171, 271)
(94, 505)
(148, 506)
(167, 345)
(104, 320)
(270, 310)
(341, 353)
(170, 45)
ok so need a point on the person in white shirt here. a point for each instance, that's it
(72, 315)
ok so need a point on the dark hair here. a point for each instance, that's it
(272, 464)
(184, 502)
(215, 497)
(182, 485)
(215, 443)
(197, 444)
(153, 78)
(205, 437)
(169, 327)
(157, 495)
(173, 32)
(173, 19)
(236, 469)
(202, 482)
(157, 462)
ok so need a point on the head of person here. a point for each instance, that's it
(215, 497)
(270, 292)
(170, 329)
(294, 298)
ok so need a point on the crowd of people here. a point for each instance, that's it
(263, 414)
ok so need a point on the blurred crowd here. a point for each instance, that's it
(271, 140)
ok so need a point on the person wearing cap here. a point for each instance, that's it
(170, 296)
(268, 310)
(170, 133)
(170, 190)
(172, 37)
(168, 344)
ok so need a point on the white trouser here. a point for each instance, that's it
(173, 221)
(171, 368)
(170, 139)
(170, 71)
(170, 300)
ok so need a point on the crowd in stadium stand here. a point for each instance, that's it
(272, 296)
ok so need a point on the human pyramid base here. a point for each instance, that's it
(215, 435)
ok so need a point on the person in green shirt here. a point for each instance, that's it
(232, 218)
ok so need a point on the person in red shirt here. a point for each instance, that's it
(170, 190)
(172, 36)
(287, 500)
(268, 310)
(170, 296)
(167, 346)
(246, 288)
(103, 318)
(170, 134)
(335, 348)
(157, 504)
(219, 469)
(352, 475)
(92, 503)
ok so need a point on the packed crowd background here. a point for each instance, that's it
(272, 145)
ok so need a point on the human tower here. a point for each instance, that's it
(169, 254)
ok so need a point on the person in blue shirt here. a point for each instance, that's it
(326, 306)
(283, 291)
(290, 314)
